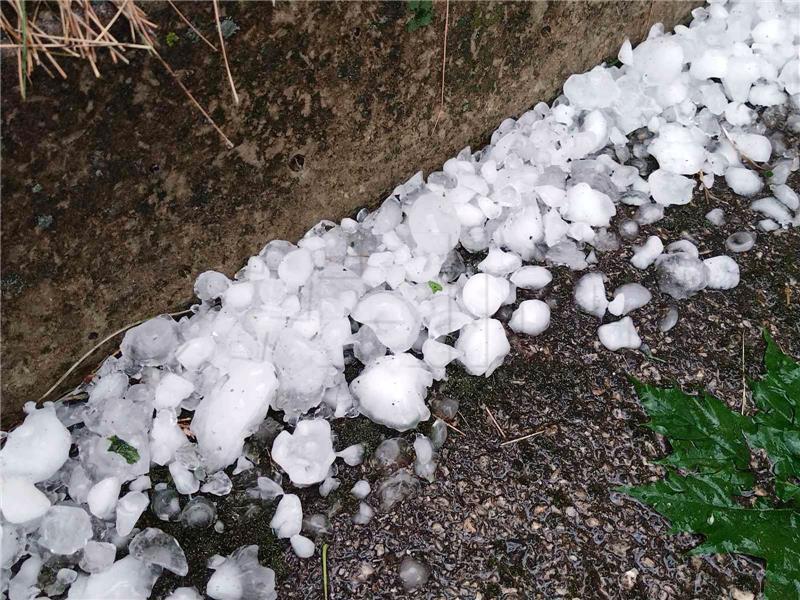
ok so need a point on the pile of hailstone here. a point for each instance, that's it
(389, 289)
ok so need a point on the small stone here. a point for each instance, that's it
(629, 578)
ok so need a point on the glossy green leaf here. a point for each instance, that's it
(435, 286)
(124, 449)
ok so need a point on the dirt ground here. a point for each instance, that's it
(539, 518)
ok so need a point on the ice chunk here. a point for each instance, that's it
(306, 454)
(648, 214)
(102, 498)
(753, 146)
(97, 556)
(677, 150)
(366, 345)
(304, 370)
(532, 317)
(126, 579)
(593, 89)
(644, 256)
(531, 278)
(36, 449)
(433, 224)
(364, 514)
(184, 593)
(65, 529)
(499, 263)
(743, 181)
(741, 241)
(670, 188)
(152, 342)
(483, 345)
(586, 205)
(628, 229)
(716, 216)
(483, 294)
(194, 353)
(153, 546)
(199, 513)
(184, 480)
(712, 63)
(393, 319)
(437, 356)
(296, 267)
(241, 577)
(218, 484)
(165, 503)
(681, 275)
(288, 518)
(302, 546)
(659, 60)
(723, 272)
(210, 285)
(166, 437)
(634, 295)
(232, 411)
(521, 231)
(425, 461)
(391, 391)
(787, 196)
(352, 455)
(129, 508)
(617, 305)
(620, 334)
(171, 390)
(770, 207)
(360, 489)
(413, 573)
(590, 294)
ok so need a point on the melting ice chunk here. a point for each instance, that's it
(152, 342)
(153, 546)
(97, 556)
(644, 256)
(241, 577)
(483, 346)
(634, 296)
(288, 518)
(669, 188)
(531, 278)
(590, 294)
(36, 449)
(681, 275)
(302, 546)
(434, 224)
(723, 272)
(413, 573)
(102, 498)
(394, 319)
(586, 205)
(743, 181)
(620, 334)
(126, 579)
(483, 294)
(531, 317)
(306, 454)
(129, 508)
(65, 529)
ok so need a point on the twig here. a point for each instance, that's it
(325, 571)
(524, 437)
(195, 102)
(494, 421)
(454, 428)
(97, 346)
(444, 61)
(224, 53)
(744, 382)
(192, 27)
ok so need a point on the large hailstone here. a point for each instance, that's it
(391, 391)
(532, 317)
(483, 294)
(232, 411)
(483, 345)
(585, 205)
(38, 448)
(434, 224)
(590, 294)
(723, 272)
(395, 321)
(306, 454)
(620, 334)
(521, 231)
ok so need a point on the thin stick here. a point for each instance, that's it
(444, 61)
(496, 424)
(744, 382)
(524, 437)
(454, 428)
(224, 53)
(97, 346)
(325, 571)
(195, 102)
(192, 27)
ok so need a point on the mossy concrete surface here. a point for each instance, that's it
(116, 193)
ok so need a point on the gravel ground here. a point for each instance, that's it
(539, 518)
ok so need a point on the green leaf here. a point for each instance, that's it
(423, 14)
(124, 449)
(435, 287)
(172, 39)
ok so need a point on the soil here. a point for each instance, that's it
(540, 518)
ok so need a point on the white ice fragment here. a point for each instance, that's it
(394, 320)
(620, 334)
(126, 579)
(153, 546)
(152, 342)
(677, 150)
(681, 275)
(306, 454)
(438, 355)
(241, 577)
(669, 188)
(723, 272)
(617, 305)
(36, 449)
(634, 295)
(129, 508)
(743, 181)
(590, 294)
(741, 241)
(713, 62)
(210, 285)
(296, 267)
(716, 216)
(433, 224)
(521, 231)
(65, 529)
(659, 60)
(413, 573)
(483, 346)
(218, 484)
(625, 54)
(184, 480)
(531, 317)
(771, 208)
(329, 485)
(194, 353)
(753, 146)
(787, 196)
(352, 455)
(644, 256)
(239, 296)
(288, 518)
(166, 437)
(364, 514)
(593, 89)
(102, 498)
(391, 391)
(483, 294)
(302, 546)
(232, 411)
(531, 278)
(97, 556)
(499, 263)
(171, 390)
(586, 205)
(425, 461)
(360, 489)
(184, 593)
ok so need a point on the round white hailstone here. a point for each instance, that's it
(171, 390)
(361, 489)
(38, 448)
(102, 498)
(634, 295)
(645, 255)
(394, 320)
(723, 272)
(152, 342)
(589, 206)
(364, 514)
(210, 285)
(483, 294)
(713, 62)
(521, 231)
(438, 355)
(434, 224)
(620, 334)
(716, 216)
(296, 267)
(239, 295)
(590, 294)
(65, 529)
(677, 150)
(531, 278)
(499, 263)
(766, 95)
(743, 181)
(532, 317)
(306, 454)
(302, 546)
(670, 188)
(659, 60)
(392, 389)
(483, 345)
(21, 501)
(288, 518)
(753, 146)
